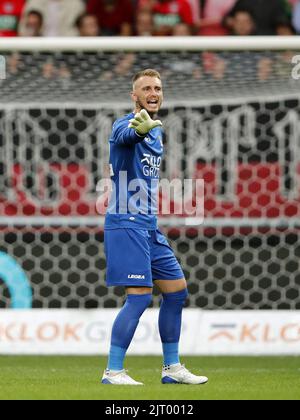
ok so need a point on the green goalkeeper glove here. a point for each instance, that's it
(142, 123)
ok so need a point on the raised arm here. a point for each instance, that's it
(135, 131)
(125, 136)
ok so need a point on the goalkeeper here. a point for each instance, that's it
(137, 253)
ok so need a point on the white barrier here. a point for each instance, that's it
(75, 332)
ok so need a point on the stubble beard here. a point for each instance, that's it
(139, 107)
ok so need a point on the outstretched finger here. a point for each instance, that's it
(139, 118)
(144, 114)
(134, 121)
(134, 124)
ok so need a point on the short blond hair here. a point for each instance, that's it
(147, 72)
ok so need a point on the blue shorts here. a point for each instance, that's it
(139, 257)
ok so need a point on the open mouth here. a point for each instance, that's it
(152, 102)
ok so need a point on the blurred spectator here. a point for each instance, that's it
(123, 68)
(266, 14)
(115, 17)
(285, 29)
(212, 15)
(33, 24)
(182, 29)
(242, 24)
(281, 65)
(264, 69)
(10, 14)
(143, 23)
(196, 6)
(59, 16)
(182, 63)
(168, 13)
(288, 6)
(238, 67)
(87, 25)
(14, 64)
(146, 5)
(296, 17)
(214, 65)
(52, 71)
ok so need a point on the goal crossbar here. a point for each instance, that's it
(97, 44)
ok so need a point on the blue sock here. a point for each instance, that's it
(170, 317)
(124, 328)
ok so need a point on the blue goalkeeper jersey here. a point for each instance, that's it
(134, 165)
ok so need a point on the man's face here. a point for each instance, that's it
(89, 26)
(243, 24)
(33, 24)
(148, 94)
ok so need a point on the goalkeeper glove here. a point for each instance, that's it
(142, 123)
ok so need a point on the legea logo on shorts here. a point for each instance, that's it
(136, 276)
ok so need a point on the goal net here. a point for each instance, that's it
(231, 117)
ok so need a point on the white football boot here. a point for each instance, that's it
(118, 378)
(178, 374)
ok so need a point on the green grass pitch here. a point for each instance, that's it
(77, 378)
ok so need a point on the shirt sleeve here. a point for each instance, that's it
(186, 13)
(124, 136)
